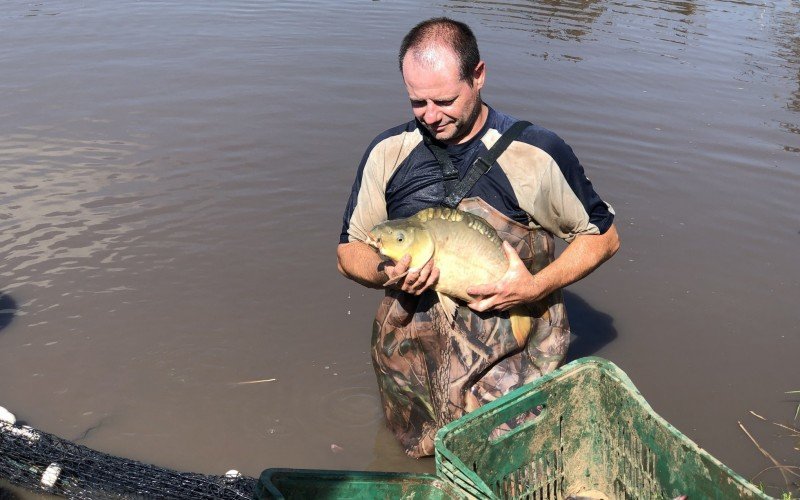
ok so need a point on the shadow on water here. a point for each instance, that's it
(8, 308)
(9, 491)
(7, 494)
(591, 328)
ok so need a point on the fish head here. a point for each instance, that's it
(396, 239)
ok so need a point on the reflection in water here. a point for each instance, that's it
(793, 129)
(573, 20)
(17, 10)
(643, 27)
(561, 24)
(789, 43)
(75, 212)
(61, 211)
(554, 19)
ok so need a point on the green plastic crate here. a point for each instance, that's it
(332, 484)
(594, 432)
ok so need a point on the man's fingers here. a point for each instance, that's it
(419, 280)
(480, 305)
(422, 277)
(430, 280)
(512, 256)
(402, 264)
(481, 290)
(410, 283)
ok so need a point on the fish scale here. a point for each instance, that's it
(473, 221)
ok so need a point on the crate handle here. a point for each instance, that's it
(505, 431)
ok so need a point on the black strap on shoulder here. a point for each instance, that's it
(455, 192)
(449, 171)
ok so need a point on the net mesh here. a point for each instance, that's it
(27, 453)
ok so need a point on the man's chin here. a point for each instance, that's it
(443, 136)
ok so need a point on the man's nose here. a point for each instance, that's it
(432, 114)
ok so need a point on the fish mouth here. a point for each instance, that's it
(373, 241)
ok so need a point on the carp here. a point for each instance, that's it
(465, 248)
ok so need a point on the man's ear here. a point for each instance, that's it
(479, 75)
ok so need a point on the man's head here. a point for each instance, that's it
(443, 73)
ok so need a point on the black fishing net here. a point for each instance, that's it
(43, 462)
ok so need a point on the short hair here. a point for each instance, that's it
(454, 34)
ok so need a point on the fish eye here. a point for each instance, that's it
(400, 237)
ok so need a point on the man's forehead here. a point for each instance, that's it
(435, 57)
(431, 73)
(430, 84)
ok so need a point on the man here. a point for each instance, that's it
(432, 369)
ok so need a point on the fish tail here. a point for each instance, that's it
(520, 325)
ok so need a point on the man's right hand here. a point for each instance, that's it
(362, 264)
(413, 281)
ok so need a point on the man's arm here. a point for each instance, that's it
(517, 286)
(360, 263)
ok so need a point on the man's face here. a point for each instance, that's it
(446, 105)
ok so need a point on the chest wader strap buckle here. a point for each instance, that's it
(456, 191)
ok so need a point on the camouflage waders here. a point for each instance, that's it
(431, 373)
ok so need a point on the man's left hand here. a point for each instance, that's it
(517, 286)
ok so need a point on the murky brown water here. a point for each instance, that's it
(172, 178)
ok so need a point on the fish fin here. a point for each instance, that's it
(449, 306)
(520, 324)
(396, 279)
(372, 242)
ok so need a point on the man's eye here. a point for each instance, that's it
(445, 103)
(417, 104)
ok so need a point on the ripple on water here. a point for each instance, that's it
(352, 406)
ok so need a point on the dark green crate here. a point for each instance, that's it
(594, 432)
(331, 484)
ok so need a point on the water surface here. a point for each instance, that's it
(172, 178)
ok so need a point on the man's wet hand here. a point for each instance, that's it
(517, 286)
(413, 281)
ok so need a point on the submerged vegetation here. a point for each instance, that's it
(790, 473)
(797, 411)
